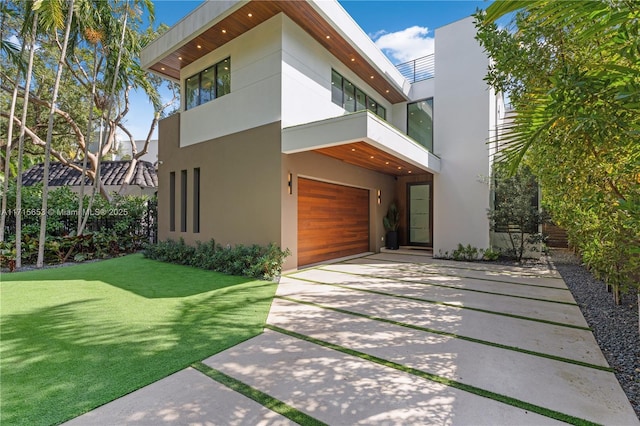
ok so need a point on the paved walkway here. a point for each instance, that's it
(398, 339)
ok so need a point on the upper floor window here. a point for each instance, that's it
(351, 98)
(420, 122)
(209, 84)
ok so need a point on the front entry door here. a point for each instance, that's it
(419, 214)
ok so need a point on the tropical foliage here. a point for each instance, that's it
(122, 225)
(515, 211)
(572, 72)
(67, 88)
(255, 261)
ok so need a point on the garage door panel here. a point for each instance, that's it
(333, 221)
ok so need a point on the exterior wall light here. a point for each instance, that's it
(290, 183)
(379, 197)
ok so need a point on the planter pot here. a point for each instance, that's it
(392, 240)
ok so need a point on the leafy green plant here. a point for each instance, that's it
(465, 252)
(392, 219)
(255, 261)
(490, 254)
(515, 211)
(113, 229)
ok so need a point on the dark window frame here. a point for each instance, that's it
(172, 201)
(352, 105)
(215, 86)
(183, 201)
(432, 122)
(196, 200)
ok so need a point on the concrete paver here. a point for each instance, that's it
(187, 397)
(579, 391)
(534, 309)
(500, 287)
(342, 388)
(339, 389)
(578, 345)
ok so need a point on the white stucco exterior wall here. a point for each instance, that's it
(254, 99)
(462, 117)
(306, 79)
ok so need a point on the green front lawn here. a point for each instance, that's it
(74, 338)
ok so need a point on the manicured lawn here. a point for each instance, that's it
(74, 338)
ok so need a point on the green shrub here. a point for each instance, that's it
(255, 261)
(113, 228)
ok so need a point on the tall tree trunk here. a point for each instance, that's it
(105, 135)
(86, 145)
(25, 106)
(47, 150)
(7, 157)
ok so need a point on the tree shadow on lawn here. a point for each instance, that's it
(137, 274)
(61, 360)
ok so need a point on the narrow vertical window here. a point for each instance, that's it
(349, 96)
(336, 88)
(196, 200)
(208, 85)
(361, 100)
(382, 112)
(420, 122)
(192, 92)
(172, 201)
(223, 78)
(183, 201)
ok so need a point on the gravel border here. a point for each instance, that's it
(614, 327)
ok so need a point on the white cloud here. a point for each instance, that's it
(407, 44)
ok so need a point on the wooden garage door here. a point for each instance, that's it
(333, 221)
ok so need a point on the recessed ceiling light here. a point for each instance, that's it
(199, 47)
(386, 162)
(353, 59)
(162, 68)
(409, 171)
(371, 157)
(328, 37)
(387, 91)
(249, 15)
(180, 58)
(224, 31)
(399, 168)
(371, 76)
(353, 149)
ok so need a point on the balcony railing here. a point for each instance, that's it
(418, 69)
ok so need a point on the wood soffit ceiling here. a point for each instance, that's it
(257, 12)
(369, 157)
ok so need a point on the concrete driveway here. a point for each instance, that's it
(398, 339)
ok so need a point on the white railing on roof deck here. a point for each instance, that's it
(418, 69)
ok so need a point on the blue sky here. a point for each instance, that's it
(402, 29)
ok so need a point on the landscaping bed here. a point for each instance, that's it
(614, 327)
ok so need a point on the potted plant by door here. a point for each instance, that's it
(391, 222)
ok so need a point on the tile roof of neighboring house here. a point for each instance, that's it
(111, 173)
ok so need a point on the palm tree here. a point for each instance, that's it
(47, 150)
(7, 163)
(25, 105)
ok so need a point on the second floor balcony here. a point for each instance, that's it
(418, 69)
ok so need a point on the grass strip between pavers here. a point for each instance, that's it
(452, 335)
(557, 415)
(525, 275)
(260, 397)
(436, 302)
(466, 276)
(432, 284)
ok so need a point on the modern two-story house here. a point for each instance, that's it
(296, 129)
